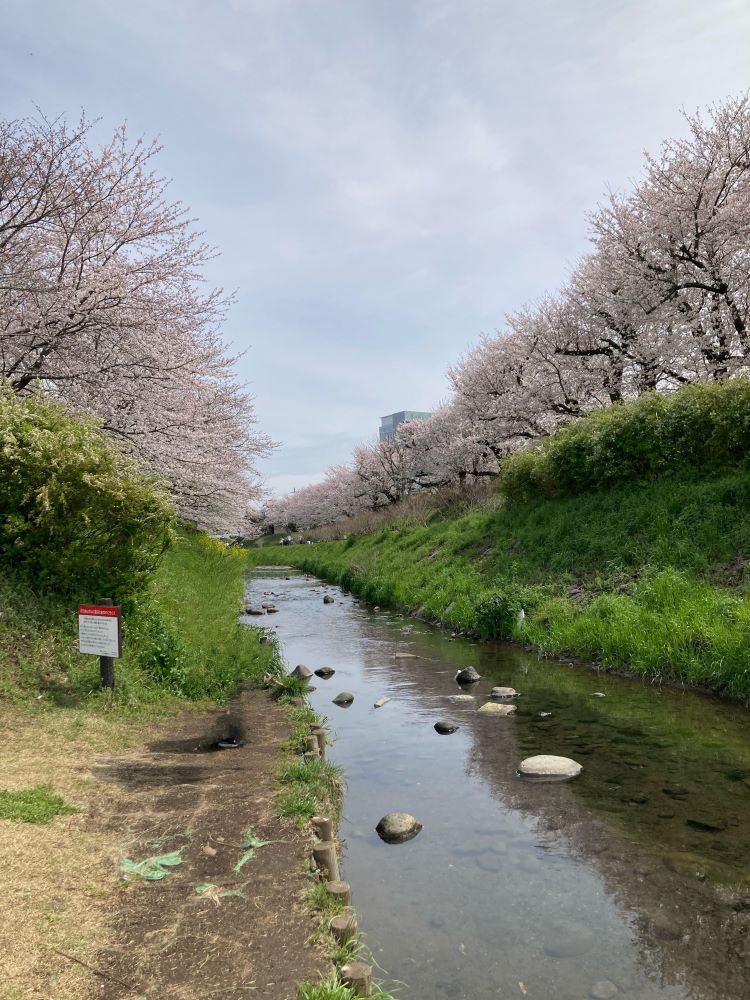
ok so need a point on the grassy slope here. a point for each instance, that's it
(181, 639)
(649, 578)
(53, 723)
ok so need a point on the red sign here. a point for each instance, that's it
(98, 611)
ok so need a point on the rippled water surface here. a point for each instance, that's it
(636, 875)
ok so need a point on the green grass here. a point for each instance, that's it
(181, 639)
(33, 805)
(286, 688)
(319, 899)
(652, 578)
(331, 988)
(309, 788)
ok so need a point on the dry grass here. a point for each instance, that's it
(60, 878)
(417, 508)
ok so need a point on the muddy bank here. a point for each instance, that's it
(207, 928)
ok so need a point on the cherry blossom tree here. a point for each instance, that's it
(103, 303)
(662, 299)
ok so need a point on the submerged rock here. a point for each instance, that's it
(397, 827)
(458, 698)
(254, 611)
(467, 676)
(405, 656)
(344, 698)
(547, 766)
(445, 728)
(603, 990)
(492, 708)
(503, 692)
(302, 671)
(569, 943)
(325, 672)
(327, 599)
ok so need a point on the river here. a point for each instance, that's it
(635, 876)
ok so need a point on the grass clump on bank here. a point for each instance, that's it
(332, 988)
(651, 574)
(33, 805)
(309, 788)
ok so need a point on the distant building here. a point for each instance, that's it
(389, 424)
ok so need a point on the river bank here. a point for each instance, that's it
(649, 578)
(631, 879)
(93, 778)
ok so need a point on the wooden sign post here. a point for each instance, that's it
(100, 633)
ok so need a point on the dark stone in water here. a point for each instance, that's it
(445, 728)
(398, 827)
(675, 791)
(467, 676)
(344, 699)
(324, 672)
(706, 825)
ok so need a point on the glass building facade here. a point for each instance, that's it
(389, 424)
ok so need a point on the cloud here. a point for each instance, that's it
(385, 179)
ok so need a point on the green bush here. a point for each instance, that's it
(77, 516)
(497, 612)
(699, 429)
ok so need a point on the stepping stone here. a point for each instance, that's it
(550, 767)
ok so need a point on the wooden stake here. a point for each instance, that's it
(107, 663)
(339, 890)
(323, 827)
(320, 735)
(358, 975)
(311, 743)
(344, 927)
(324, 852)
(309, 755)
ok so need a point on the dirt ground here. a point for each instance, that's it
(162, 938)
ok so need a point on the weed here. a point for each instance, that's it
(33, 805)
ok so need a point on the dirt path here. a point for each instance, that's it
(180, 794)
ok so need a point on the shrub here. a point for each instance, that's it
(77, 516)
(701, 428)
(497, 612)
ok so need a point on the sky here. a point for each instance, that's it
(385, 179)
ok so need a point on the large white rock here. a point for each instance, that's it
(492, 708)
(548, 766)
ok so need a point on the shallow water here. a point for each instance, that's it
(636, 873)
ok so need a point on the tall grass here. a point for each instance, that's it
(181, 638)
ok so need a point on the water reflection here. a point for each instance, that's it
(633, 875)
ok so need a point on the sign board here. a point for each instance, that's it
(99, 630)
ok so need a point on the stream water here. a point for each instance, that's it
(634, 877)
